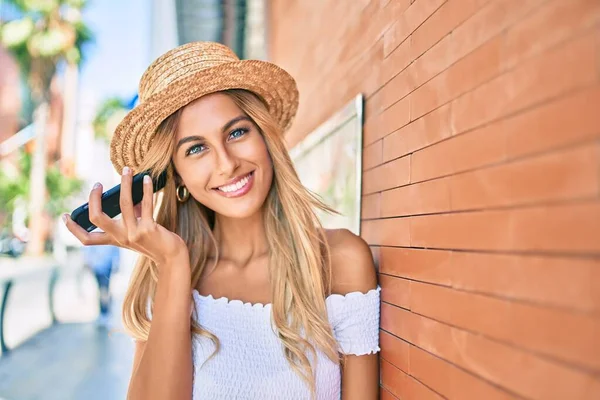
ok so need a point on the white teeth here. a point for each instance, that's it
(237, 186)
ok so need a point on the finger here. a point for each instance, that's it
(137, 210)
(86, 238)
(147, 200)
(97, 238)
(97, 216)
(125, 199)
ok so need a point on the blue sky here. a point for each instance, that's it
(120, 54)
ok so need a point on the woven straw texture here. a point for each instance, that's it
(187, 73)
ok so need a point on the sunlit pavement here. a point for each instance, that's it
(68, 361)
(74, 359)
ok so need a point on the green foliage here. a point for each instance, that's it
(83, 35)
(16, 33)
(46, 6)
(12, 189)
(38, 6)
(60, 189)
(46, 33)
(59, 186)
(110, 112)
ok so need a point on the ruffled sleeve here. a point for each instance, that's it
(355, 321)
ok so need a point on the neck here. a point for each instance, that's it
(241, 239)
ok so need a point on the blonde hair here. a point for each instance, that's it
(299, 262)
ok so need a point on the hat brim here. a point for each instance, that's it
(275, 86)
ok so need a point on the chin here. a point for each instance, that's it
(242, 207)
(239, 211)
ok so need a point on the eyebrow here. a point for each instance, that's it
(228, 125)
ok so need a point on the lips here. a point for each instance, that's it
(238, 187)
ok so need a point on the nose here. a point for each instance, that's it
(227, 163)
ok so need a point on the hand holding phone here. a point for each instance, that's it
(143, 234)
(110, 200)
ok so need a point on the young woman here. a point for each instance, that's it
(239, 292)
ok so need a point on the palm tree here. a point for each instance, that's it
(46, 33)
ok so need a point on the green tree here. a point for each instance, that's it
(17, 187)
(46, 33)
(108, 115)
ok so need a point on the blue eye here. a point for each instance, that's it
(195, 149)
(238, 133)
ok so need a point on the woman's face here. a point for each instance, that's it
(221, 157)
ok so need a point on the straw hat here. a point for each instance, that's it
(183, 75)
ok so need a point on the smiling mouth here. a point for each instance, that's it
(236, 187)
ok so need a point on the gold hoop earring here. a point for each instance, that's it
(182, 198)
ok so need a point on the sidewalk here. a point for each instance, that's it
(68, 361)
(73, 359)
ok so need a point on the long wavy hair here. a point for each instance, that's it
(299, 262)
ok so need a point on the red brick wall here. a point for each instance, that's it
(481, 182)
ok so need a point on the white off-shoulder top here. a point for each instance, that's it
(251, 364)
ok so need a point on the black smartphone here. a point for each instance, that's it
(110, 200)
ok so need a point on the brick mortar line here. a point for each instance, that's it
(576, 34)
(482, 7)
(469, 372)
(586, 200)
(507, 161)
(380, 388)
(594, 374)
(546, 306)
(580, 256)
(514, 207)
(409, 36)
(533, 253)
(413, 377)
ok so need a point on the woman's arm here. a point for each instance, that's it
(162, 367)
(353, 271)
(360, 377)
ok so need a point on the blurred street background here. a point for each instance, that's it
(475, 178)
(69, 71)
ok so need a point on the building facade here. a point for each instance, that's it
(481, 186)
(238, 24)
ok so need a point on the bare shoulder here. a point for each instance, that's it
(352, 264)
